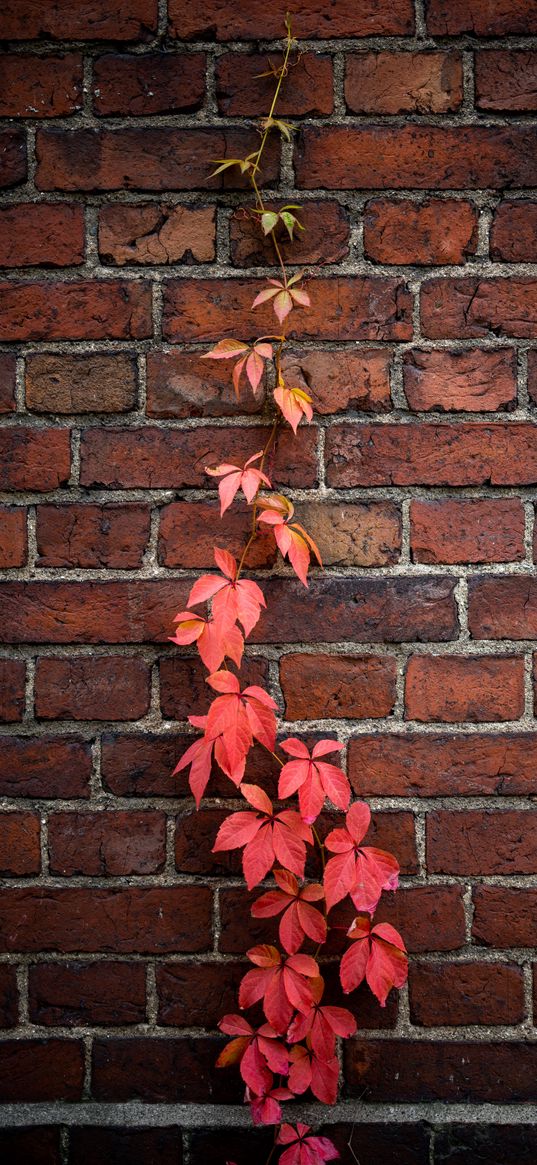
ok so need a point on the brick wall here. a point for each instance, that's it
(121, 936)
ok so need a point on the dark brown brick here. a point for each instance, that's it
(92, 1146)
(48, 86)
(243, 91)
(388, 82)
(13, 164)
(467, 308)
(513, 234)
(418, 1070)
(148, 83)
(107, 687)
(433, 765)
(78, 310)
(12, 689)
(505, 917)
(74, 994)
(459, 1144)
(85, 20)
(326, 686)
(470, 381)
(197, 995)
(482, 842)
(142, 764)
(41, 234)
(9, 1010)
(107, 844)
(224, 20)
(34, 1070)
(325, 238)
(98, 612)
(34, 459)
(96, 383)
(172, 1069)
(12, 536)
(20, 853)
(456, 994)
(480, 17)
(45, 766)
(502, 607)
(183, 686)
(156, 233)
(87, 536)
(202, 521)
(341, 379)
(456, 688)
(434, 232)
(8, 367)
(35, 1146)
(182, 384)
(467, 530)
(506, 79)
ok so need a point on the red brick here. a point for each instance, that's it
(171, 458)
(154, 158)
(467, 530)
(454, 688)
(92, 1146)
(344, 308)
(504, 917)
(89, 687)
(197, 995)
(142, 764)
(325, 238)
(74, 994)
(12, 536)
(502, 607)
(195, 834)
(85, 20)
(35, 1146)
(348, 534)
(431, 765)
(156, 233)
(13, 164)
(431, 454)
(79, 310)
(481, 17)
(471, 381)
(455, 994)
(341, 686)
(468, 308)
(34, 459)
(183, 684)
(12, 689)
(110, 844)
(20, 853)
(506, 79)
(91, 612)
(513, 235)
(223, 20)
(459, 1143)
(384, 82)
(202, 519)
(477, 841)
(123, 921)
(419, 1070)
(89, 536)
(51, 235)
(33, 1070)
(45, 766)
(341, 379)
(95, 383)
(243, 91)
(171, 1069)
(181, 384)
(9, 1010)
(416, 156)
(437, 231)
(140, 85)
(8, 366)
(32, 86)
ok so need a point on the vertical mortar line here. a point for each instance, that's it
(151, 995)
(141, 383)
(468, 906)
(287, 170)
(185, 1144)
(43, 843)
(97, 793)
(414, 287)
(484, 223)
(421, 27)
(91, 235)
(528, 684)
(527, 973)
(461, 601)
(432, 1145)
(87, 86)
(216, 920)
(224, 215)
(29, 689)
(468, 103)
(22, 987)
(340, 106)
(31, 530)
(169, 867)
(162, 20)
(31, 131)
(397, 390)
(321, 470)
(405, 557)
(74, 478)
(420, 823)
(20, 394)
(529, 531)
(211, 101)
(157, 292)
(522, 378)
(64, 1145)
(150, 560)
(87, 1041)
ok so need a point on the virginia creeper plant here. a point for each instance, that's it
(290, 1046)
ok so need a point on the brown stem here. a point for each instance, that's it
(254, 531)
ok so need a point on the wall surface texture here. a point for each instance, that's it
(121, 937)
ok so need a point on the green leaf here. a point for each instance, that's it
(269, 220)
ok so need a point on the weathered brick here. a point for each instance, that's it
(454, 688)
(477, 841)
(225, 20)
(459, 1143)
(513, 234)
(107, 843)
(502, 607)
(91, 612)
(8, 1000)
(468, 308)
(506, 79)
(416, 156)
(471, 381)
(74, 994)
(384, 82)
(35, 1146)
(326, 686)
(20, 854)
(343, 308)
(417, 1070)
(198, 994)
(148, 83)
(41, 233)
(85, 20)
(504, 917)
(453, 530)
(45, 766)
(434, 232)
(408, 1144)
(183, 684)
(82, 309)
(242, 1146)
(431, 454)
(156, 233)
(433, 764)
(325, 238)
(92, 1146)
(48, 86)
(12, 689)
(354, 534)
(12, 536)
(171, 1069)
(34, 459)
(13, 163)
(90, 687)
(195, 835)
(342, 380)
(154, 158)
(142, 764)
(172, 458)
(201, 519)
(41, 1070)
(123, 921)
(243, 91)
(94, 383)
(456, 994)
(182, 384)
(8, 366)
(89, 536)
(481, 17)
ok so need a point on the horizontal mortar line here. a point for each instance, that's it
(138, 422)
(518, 880)
(481, 268)
(469, 1033)
(472, 117)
